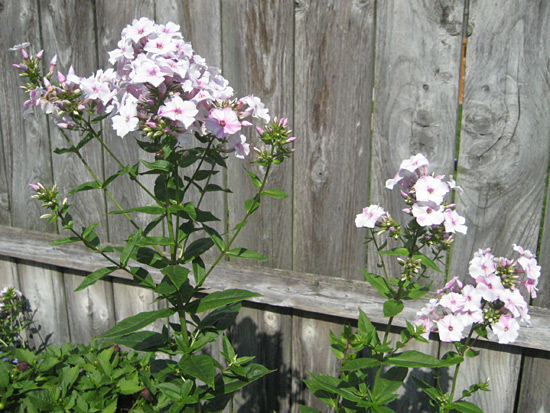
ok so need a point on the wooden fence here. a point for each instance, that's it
(365, 84)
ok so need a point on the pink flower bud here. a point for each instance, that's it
(53, 64)
(40, 54)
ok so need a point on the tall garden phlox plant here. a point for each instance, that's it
(493, 299)
(186, 119)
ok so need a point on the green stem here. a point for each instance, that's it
(381, 259)
(455, 375)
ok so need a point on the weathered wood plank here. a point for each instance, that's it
(25, 142)
(258, 60)
(281, 288)
(43, 286)
(534, 395)
(333, 146)
(503, 157)
(8, 273)
(416, 93)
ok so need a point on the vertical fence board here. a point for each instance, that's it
(416, 94)
(415, 106)
(42, 285)
(27, 155)
(503, 153)
(75, 46)
(333, 107)
(534, 395)
(258, 60)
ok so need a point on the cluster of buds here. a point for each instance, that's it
(158, 86)
(50, 200)
(493, 300)
(411, 267)
(276, 137)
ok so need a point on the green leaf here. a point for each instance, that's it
(254, 179)
(251, 205)
(142, 340)
(153, 210)
(61, 151)
(471, 353)
(94, 277)
(415, 359)
(159, 165)
(199, 367)
(388, 383)
(86, 186)
(245, 253)
(98, 119)
(199, 271)
(197, 248)
(129, 384)
(62, 241)
(228, 350)
(215, 237)
(465, 407)
(274, 193)
(431, 391)
(427, 262)
(392, 307)
(214, 187)
(364, 325)
(219, 298)
(359, 364)
(176, 274)
(134, 323)
(451, 358)
(379, 283)
(395, 252)
(417, 291)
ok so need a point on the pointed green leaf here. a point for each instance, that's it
(199, 367)
(392, 307)
(395, 252)
(159, 165)
(176, 274)
(254, 179)
(427, 262)
(142, 340)
(219, 298)
(416, 359)
(134, 323)
(86, 186)
(274, 193)
(215, 237)
(94, 277)
(245, 253)
(379, 283)
(153, 210)
(62, 241)
(465, 407)
(359, 364)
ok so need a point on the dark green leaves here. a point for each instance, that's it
(94, 277)
(137, 322)
(219, 298)
(392, 307)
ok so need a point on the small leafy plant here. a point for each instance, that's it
(374, 367)
(188, 125)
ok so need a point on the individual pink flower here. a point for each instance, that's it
(450, 328)
(369, 216)
(506, 329)
(454, 222)
(428, 213)
(470, 316)
(430, 189)
(138, 29)
(490, 287)
(482, 264)
(472, 298)
(513, 301)
(239, 145)
(452, 301)
(414, 162)
(126, 120)
(223, 122)
(256, 108)
(177, 109)
(147, 71)
(523, 252)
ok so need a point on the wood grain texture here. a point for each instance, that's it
(43, 286)
(503, 158)
(319, 294)
(92, 310)
(25, 143)
(333, 74)
(257, 59)
(8, 273)
(257, 50)
(415, 99)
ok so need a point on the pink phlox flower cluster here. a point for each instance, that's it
(158, 86)
(425, 196)
(494, 299)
